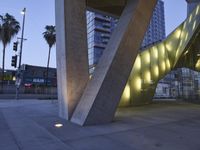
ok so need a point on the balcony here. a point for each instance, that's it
(100, 45)
(105, 41)
(102, 29)
(107, 25)
(105, 35)
(101, 17)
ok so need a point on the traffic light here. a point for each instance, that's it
(15, 44)
(14, 61)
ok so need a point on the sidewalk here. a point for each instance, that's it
(30, 125)
(28, 96)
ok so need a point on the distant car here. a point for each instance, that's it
(28, 85)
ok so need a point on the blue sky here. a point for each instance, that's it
(41, 13)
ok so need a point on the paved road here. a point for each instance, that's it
(29, 125)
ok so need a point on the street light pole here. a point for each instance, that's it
(18, 79)
(22, 37)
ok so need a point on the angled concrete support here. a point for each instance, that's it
(72, 57)
(103, 92)
(180, 49)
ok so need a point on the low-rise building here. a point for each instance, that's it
(32, 76)
(37, 76)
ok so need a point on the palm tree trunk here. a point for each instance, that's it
(3, 68)
(49, 55)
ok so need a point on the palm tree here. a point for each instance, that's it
(50, 37)
(9, 27)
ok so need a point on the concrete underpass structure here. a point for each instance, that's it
(118, 78)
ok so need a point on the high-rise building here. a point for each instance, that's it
(100, 27)
(156, 30)
(191, 5)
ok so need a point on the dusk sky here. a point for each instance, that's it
(41, 13)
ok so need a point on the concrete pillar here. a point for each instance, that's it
(103, 92)
(71, 51)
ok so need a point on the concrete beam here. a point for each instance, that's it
(72, 57)
(103, 92)
(110, 7)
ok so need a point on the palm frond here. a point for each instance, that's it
(9, 28)
(50, 35)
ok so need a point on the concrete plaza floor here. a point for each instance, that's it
(29, 125)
